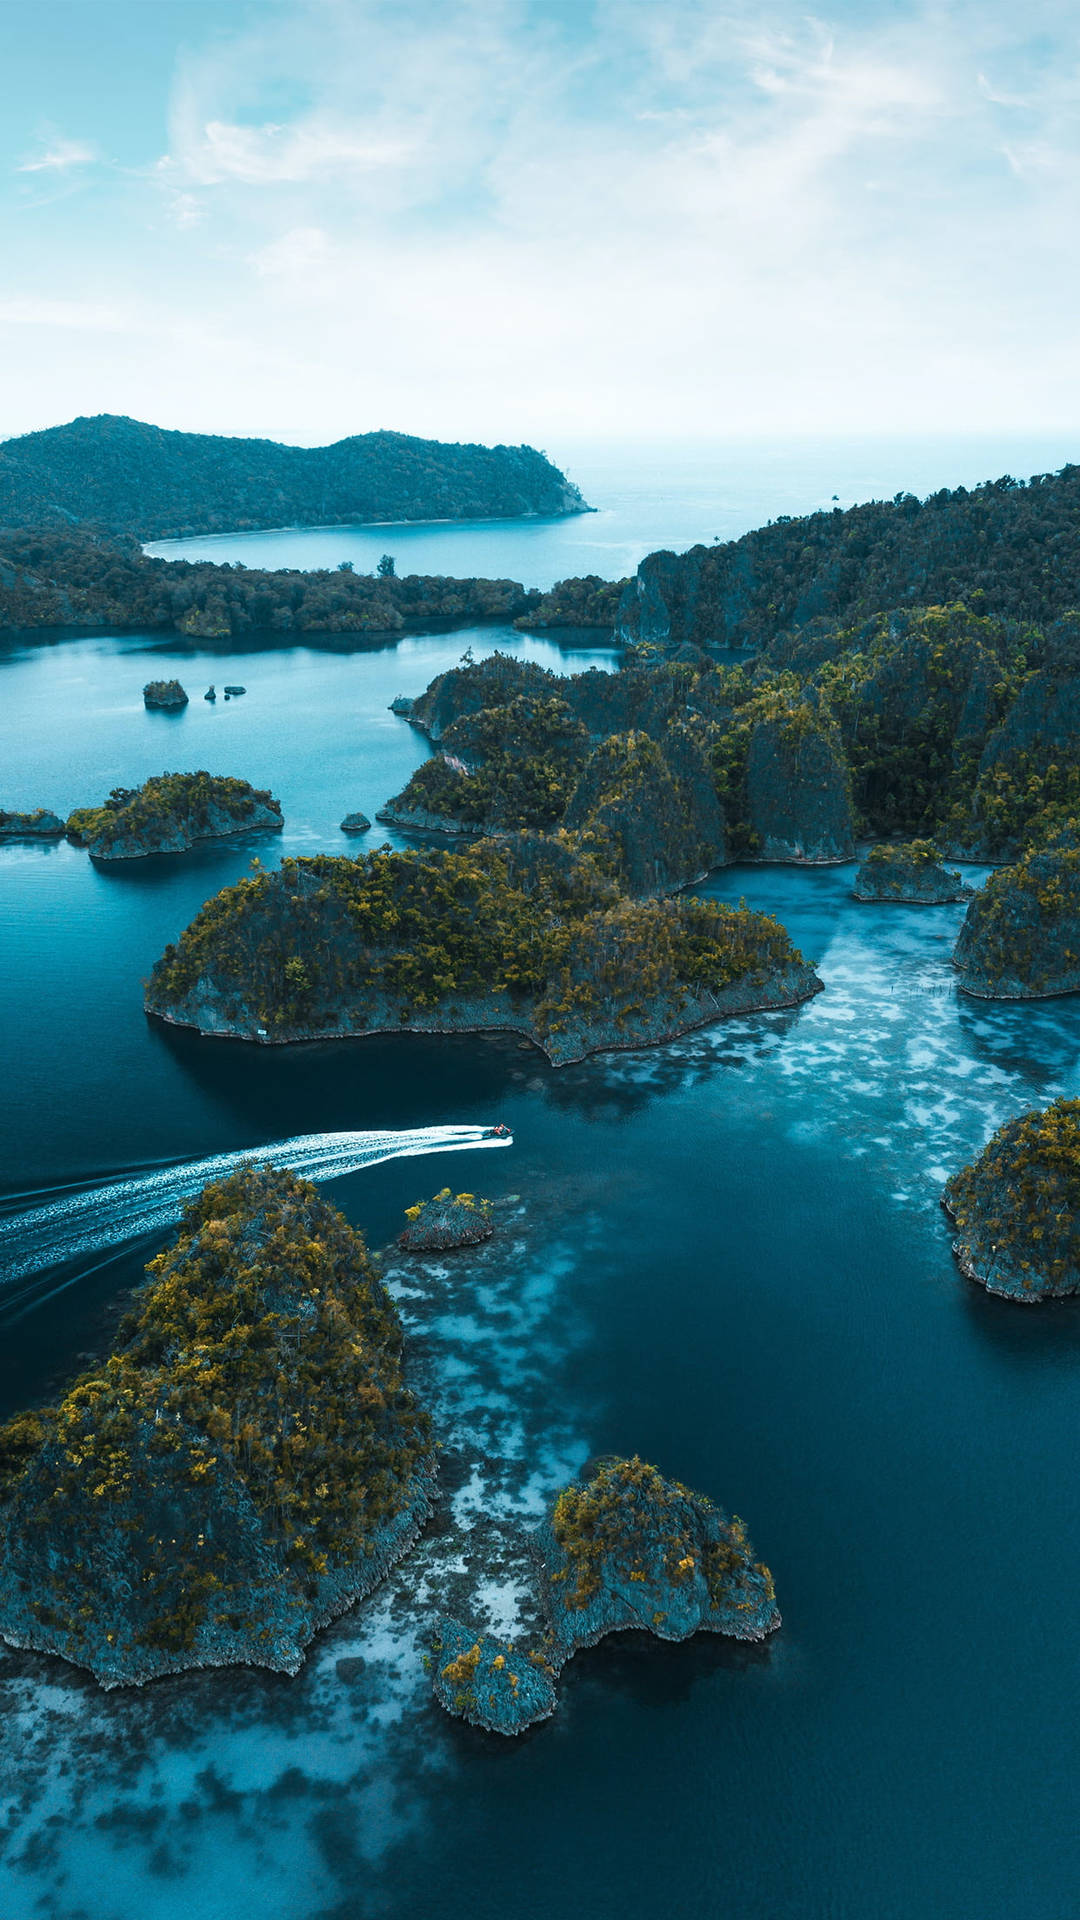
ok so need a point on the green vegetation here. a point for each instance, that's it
(1017, 1205)
(185, 806)
(75, 578)
(250, 1440)
(164, 693)
(586, 601)
(909, 870)
(628, 1526)
(1021, 934)
(524, 926)
(129, 477)
(446, 1220)
(511, 767)
(1015, 547)
(38, 823)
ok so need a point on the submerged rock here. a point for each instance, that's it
(39, 824)
(1017, 1207)
(447, 1220)
(170, 813)
(356, 823)
(628, 1549)
(912, 873)
(164, 693)
(246, 1464)
(1021, 935)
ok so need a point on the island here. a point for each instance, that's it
(38, 824)
(169, 813)
(164, 693)
(522, 933)
(1021, 934)
(1017, 1207)
(126, 476)
(628, 1548)
(246, 1463)
(356, 823)
(446, 1221)
(911, 872)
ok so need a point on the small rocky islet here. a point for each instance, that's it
(1021, 935)
(164, 693)
(626, 1549)
(36, 823)
(446, 1221)
(1017, 1207)
(171, 812)
(910, 872)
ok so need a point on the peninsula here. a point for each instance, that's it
(244, 1466)
(124, 476)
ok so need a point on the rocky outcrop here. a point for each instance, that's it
(798, 794)
(912, 873)
(170, 813)
(165, 1515)
(417, 819)
(1017, 1207)
(39, 824)
(1021, 935)
(356, 823)
(627, 1549)
(446, 1221)
(648, 811)
(164, 693)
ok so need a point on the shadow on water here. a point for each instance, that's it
(1044, 1334)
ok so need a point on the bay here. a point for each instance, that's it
(726, 1254)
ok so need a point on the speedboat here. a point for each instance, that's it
(497, 1133)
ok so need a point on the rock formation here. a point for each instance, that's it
(911, 872)
(1017, 1207)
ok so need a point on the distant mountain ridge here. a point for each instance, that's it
(124, 476)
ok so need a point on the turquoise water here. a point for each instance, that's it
(650, 497)
(726, 1254)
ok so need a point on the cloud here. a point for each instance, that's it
(60, 156)
(278, 155)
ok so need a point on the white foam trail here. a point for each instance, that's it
(106, 1216)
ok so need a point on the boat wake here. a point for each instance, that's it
(94, 1219)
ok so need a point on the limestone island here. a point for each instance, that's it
(523, 934)
(39, 824)
(1017, 1207)
(169, 813)
(164, 693)
(628, 1549)
(1021, 934)
(356, 823)
(245, 1465)
(446, 1221)
(911, 872)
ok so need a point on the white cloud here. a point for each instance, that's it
(274, 155)
(60, 156)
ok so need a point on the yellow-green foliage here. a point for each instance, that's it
(189, 798)
(617, 1520)
(1023, 927)
(517, 766)
(524, 917)
(263, 1340)
(1021, 1196)
(905, 853)
(796, 711)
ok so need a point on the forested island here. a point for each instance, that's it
(524, 934)
(909, 872)
(1021, 936)
(245, 1464)
(1017, 1207)
(627, 1548)
(124, 476)
(169, 813)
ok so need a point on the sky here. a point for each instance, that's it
(541, 220)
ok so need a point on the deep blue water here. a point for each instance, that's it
(648, 497)
(726, 1254)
